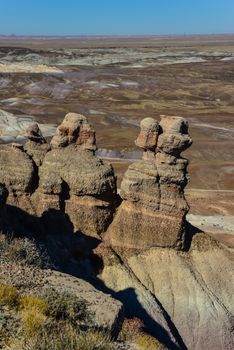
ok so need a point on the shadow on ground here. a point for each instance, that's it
(73, 253)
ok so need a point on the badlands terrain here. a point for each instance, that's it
(118, 81)
(125, 247)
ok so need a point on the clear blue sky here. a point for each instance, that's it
(115, 17)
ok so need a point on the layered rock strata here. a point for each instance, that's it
(186, 299)
(18, 173)
(153, 209)
(84, 185)
(61, 181)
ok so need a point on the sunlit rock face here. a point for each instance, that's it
(84, 185)
(61, 182)
(65, 182)
(153, 209)
(75, 129)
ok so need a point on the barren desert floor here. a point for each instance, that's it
(116, 82)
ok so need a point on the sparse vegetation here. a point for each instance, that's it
(34, 311)
(147, 342)
(22, 262)
(48, 322)
(9, 326)
(32, 322)
(64, 306)
(61, 336)
(23, 251)
(131, 328)
(8, 295)
(30, 303)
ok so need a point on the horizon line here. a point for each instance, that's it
(111, 35)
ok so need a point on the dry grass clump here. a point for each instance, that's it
(33, 303)
(34, 312)
(93, 340)
(22, 262)
(32, 322)
(8, 295)
(133, 331)
(61, 336)
(147, 342)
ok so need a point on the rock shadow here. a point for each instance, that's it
(73, 253)
(133, 308)
(68, 251)
(191, 231)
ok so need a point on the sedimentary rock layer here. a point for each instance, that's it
(186, 299)
(63, 181)
(153, 209)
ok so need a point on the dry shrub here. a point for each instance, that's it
(22, 251)
(147, 342)
(131, 328)
(65, 306)
(8, 295)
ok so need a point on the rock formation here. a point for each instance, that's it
(153, 209)
(85, 185)
(17, 172)
(36, 146)
(106, 312)
(12, 127)
(65, 180)
(185, 298)
(71, 176)
(75, 129)
(62, 180)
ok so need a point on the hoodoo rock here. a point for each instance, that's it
(75, 129)
(63, 180)
(153, 209)
(73, 180)
(84, 185)
(147, 139)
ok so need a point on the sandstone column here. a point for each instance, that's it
(153, 209)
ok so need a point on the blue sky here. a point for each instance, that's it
(116, 17)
